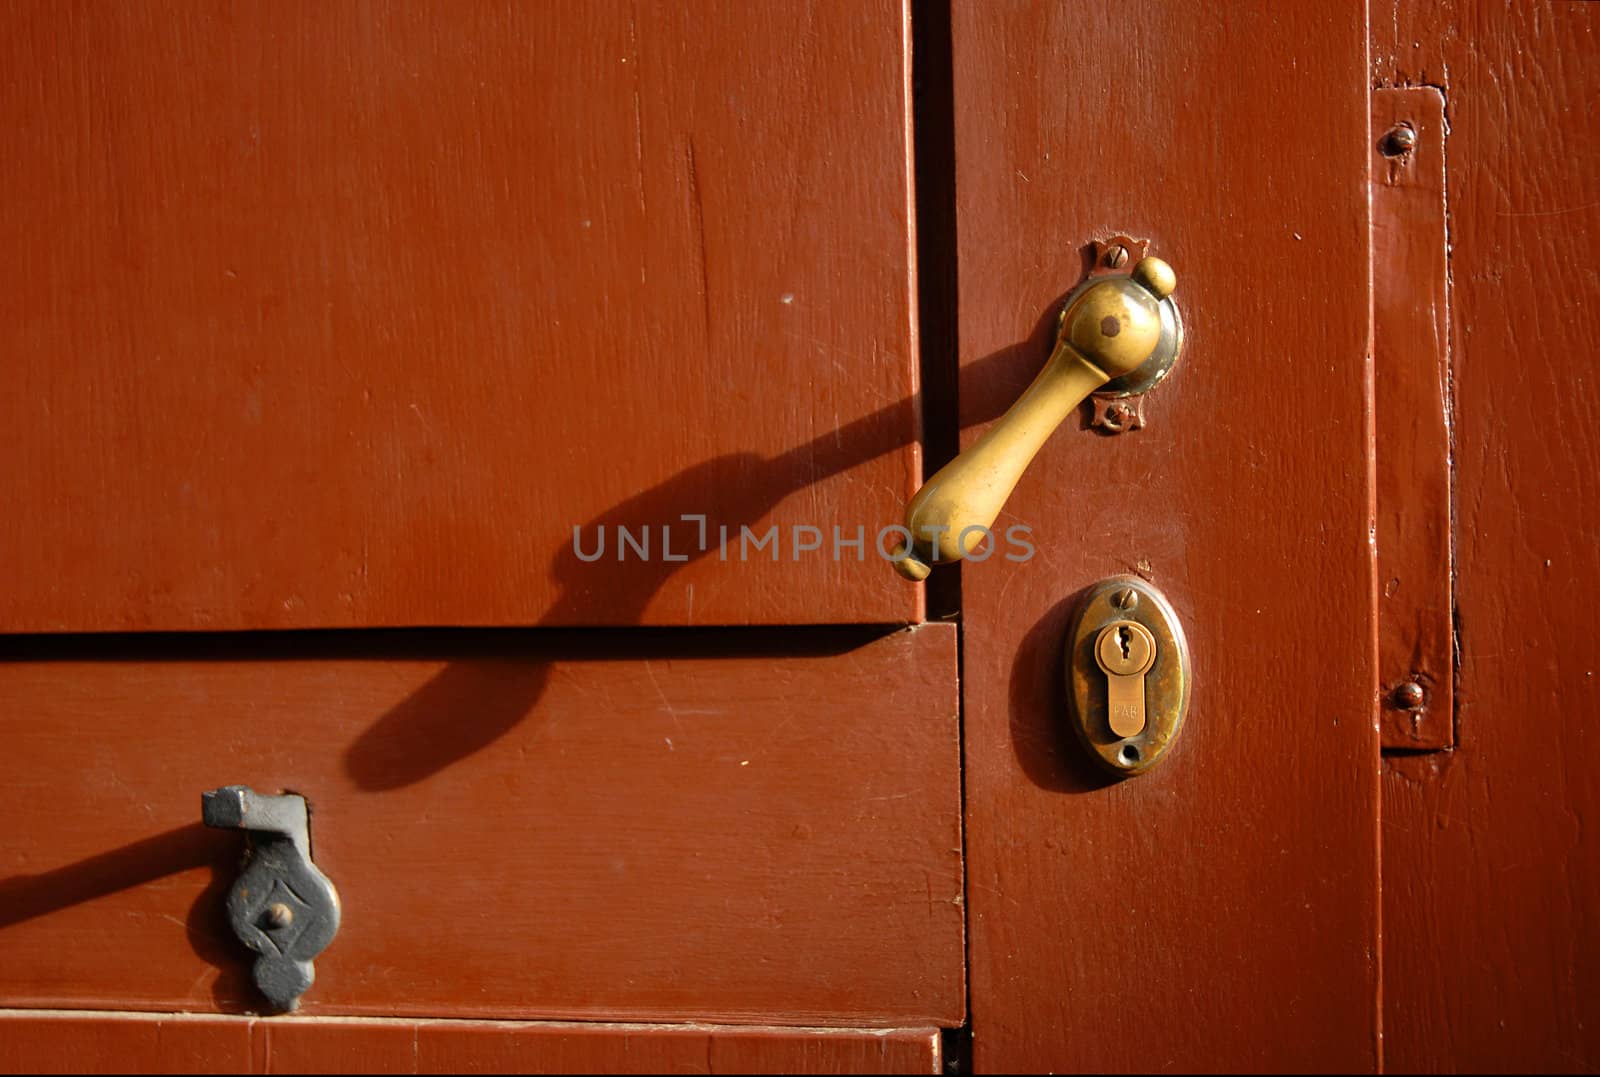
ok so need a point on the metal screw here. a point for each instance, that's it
(1117, 256)
(1116, 418)
(1410, 696)
(1399, 139)
(1125, 599)
(279, 916)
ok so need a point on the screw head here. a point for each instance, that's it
(1410, 696)
(1399, 139)
(1125, 599)
(279, 916)
(1116, 256)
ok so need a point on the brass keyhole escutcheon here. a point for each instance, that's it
(1128, 674)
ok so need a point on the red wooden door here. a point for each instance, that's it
(485, 322)
(1221, 910)
(1491, 950)
(347, 315)
(341, 338)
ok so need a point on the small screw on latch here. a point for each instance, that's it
(1125, 599)
(279, 916)
(1116, 256)
(1410, 696)
(1399, 140)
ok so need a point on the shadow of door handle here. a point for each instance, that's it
(1107, 331)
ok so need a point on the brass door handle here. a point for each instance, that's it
(1107, 331)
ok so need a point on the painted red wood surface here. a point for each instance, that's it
(61, 1042)
(1491, 865)
(342, 315)
(1220, 912)
(1411, 352)
(733, 826)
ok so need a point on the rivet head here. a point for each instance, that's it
(1116, 256)
(279, 916)
(1398, 140)
(1125, 599)
(1410, 696)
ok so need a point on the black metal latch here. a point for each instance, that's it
(281, 907)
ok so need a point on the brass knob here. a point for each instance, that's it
(1108, 331)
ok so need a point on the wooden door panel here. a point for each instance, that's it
(346, 315)
(58, 1042)
(1220, 911)
(734, 826)
(1491, 946)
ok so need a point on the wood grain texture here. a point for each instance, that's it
(1491, 948)
(731, 826)
(449, 1047)
(346, 315)
(1411, 358)
(63, 1042)
(1219, 913)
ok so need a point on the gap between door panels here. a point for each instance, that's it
(938, 336)
(934, 178)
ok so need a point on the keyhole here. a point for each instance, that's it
(1123, 636)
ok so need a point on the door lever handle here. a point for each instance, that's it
(1107, 331)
